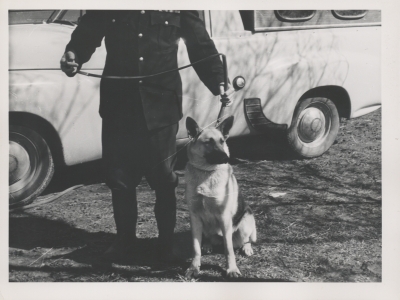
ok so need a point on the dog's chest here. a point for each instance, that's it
(208, 191)
(212, 184)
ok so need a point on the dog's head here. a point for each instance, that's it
(209, 145)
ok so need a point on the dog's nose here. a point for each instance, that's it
(225, 161)
(216, 158)
(224, 158)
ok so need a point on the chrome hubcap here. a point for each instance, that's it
(22, 162)
(312, 125)
(19, 162)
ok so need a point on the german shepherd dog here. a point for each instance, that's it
(217, 213)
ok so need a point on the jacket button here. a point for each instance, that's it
(166, 22)
(140, 35)
(113, 20)
(140, 81)
(141, 58)
(142, 12)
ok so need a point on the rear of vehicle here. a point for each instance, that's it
(304, 71)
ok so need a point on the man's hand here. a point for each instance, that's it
(225, 94)
(69, 63)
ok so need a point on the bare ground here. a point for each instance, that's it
(318, 219)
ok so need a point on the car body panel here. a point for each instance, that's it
(279, 67)
(37, 86)
(38, 46)
(70, 105)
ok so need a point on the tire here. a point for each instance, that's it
(314, 127)
(31, 165)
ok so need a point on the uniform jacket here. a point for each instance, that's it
(143, 43)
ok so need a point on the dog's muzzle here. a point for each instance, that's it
(217, 158)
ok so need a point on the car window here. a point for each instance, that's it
(28, 16)
(349, 14)
(277, 20)
(70, 16)
(295, 15)
(201, 15)
(43, 16)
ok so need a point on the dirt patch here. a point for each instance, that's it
(318, 219)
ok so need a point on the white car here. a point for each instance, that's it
(304, 70)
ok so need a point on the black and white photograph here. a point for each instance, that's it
(184, 146)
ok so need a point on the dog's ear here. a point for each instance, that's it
(226, 126)
(192, 127)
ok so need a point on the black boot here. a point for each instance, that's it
(125, 216)
(165, 212)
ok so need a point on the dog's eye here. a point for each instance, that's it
(222, 141)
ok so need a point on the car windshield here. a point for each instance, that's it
(70, 17)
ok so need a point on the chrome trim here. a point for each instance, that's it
(49, 69)
(52, 18)
(288, 28)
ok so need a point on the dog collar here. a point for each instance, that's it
(209, 168)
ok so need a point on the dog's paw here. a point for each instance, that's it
(233, 272)
(247, 250)
(207, 248)
(192, 272)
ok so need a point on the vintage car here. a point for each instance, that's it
(304, 70)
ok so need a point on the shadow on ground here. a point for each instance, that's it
(248, 147)
(66, 177)
(29, 232)
(31, 236)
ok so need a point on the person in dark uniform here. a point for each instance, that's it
(140, 117)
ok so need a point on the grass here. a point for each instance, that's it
(318, 220)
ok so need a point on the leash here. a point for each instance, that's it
(46, 200)
(166, 72)
(238, 82)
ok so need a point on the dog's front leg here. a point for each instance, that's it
(197, 230)
(227, 231)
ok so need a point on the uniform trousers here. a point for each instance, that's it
(131, 151)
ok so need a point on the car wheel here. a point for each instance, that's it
(314, 127)
(31, 165)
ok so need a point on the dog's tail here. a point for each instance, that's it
(253, 235)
